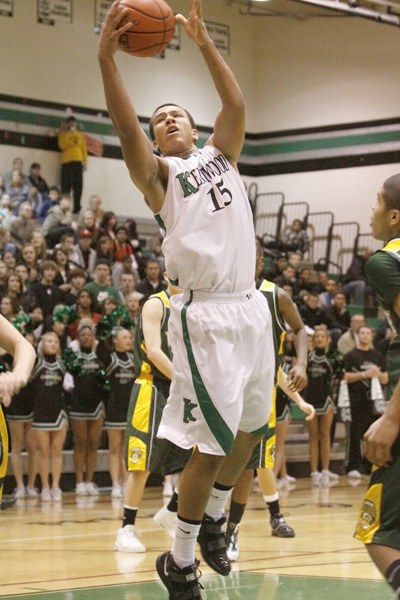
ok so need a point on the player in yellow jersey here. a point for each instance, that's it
(12, 381)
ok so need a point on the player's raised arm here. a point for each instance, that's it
(144, 167)
(229, 126)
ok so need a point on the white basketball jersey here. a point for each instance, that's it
(209, 243)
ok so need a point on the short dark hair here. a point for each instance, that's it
(151, 128)
(103, 261)
(391, 189)
(47, 264)
(76, 273)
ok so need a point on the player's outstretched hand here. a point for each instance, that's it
(194, 25)
(378, 440)
(112, 29)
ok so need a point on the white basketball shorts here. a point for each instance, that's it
(223, 369)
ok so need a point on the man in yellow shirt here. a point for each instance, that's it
(72, 144)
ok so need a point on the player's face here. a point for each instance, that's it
(380, 218)
(173, 132)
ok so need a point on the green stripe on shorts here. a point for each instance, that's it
(219, 428)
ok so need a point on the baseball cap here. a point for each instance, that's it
(85, 233)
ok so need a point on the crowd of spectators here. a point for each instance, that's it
(352, 352)
(64, 274)
(58, 268)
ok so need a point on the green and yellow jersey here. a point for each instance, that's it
(143, 365)
(383, 272)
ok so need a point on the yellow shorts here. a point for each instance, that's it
(3, 450)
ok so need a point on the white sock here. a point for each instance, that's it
(216, 503)
(183, 548)
(272, 498)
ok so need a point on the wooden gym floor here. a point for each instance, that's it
(65, 551)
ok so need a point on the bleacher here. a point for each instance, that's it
(332, 248)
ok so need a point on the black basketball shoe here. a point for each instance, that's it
(212, 542)
(182, 584)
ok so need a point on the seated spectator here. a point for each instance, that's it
(127, 286)
(155, 248)
(22, 271)
(29, 258)
(36, 180)
(95, 206)
(13, 286)
(107, 225)
(355, 283)
(77, 279)
(153, 281)
(278, 265)
(288, 277)
(10, 260)
(119, 268)
(310, 312)
(6, 245)
(108, 305)
(338, 315)
(39, 244)
(48, 295)
(3, 276)
(83, 254)
(295, 259)
(22, 227)
(9, 307)
(296, 238)
(67, 243)
(349, 339)
(100, 287)
(87, 222)
(17, 165)
(5, 210)
(48, 201)
(105, 249)
(58, 221)
(325, 299)
(85, 309)
(133, 304)
(123, 254)
(304, 281)
(17, 190)
(322, 277)
(60, 259)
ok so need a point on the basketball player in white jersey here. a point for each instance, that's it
(220, 328)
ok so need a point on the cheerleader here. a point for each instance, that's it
(49, 415)
(319, 393)
(120, 371)
(87, 408)
(19, 417)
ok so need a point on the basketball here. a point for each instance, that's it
(153, 26)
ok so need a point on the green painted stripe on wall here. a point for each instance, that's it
(35, 123)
